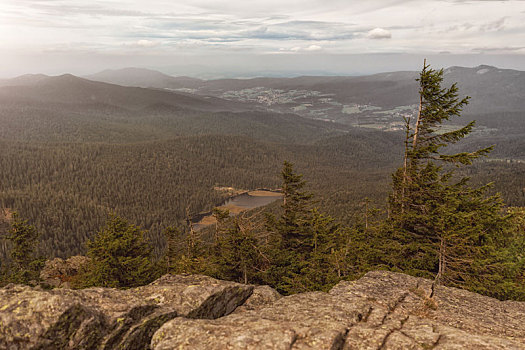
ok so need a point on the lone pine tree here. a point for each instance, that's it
(438, 224)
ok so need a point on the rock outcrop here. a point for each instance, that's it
(382, 310)
(58, 272)
(105, 318)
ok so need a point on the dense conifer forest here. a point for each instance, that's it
(84, 177)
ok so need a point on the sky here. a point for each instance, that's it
(244, 38)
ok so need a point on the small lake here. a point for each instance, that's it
(239, 203)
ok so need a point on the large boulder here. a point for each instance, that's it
(58, 272)
(382, 310)
(261, 297)
(32, 318)
(302, 321)
(405, 317)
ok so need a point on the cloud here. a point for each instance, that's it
(495, 25)
(502, 49)
(207, 28)
(310, 48)
(313, 48)
(379, 33)
(142, 43)
(146, 43)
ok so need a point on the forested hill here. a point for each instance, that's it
(69, 89)
(72, 109)
(67, 190)
(376, 101)
(385, 89)
(74, 150)
(142, 77)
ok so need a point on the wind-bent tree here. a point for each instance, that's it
(439, 225)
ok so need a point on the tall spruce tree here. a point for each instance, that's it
(174, 246)
(289, 234)
(438, 224)
(303, 247)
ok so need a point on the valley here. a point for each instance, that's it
(75, 150)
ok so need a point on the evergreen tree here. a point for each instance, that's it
(237, 253)
(221, 216)
(25, 266)
(303, 246)
(289, 234)
(439, 225)
(120, 257)
(326, 255)
(173, 238)
(296, 210)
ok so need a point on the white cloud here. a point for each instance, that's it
(379, 33)
(142, 43)
(146, 43)
(297, 49)
(313, 48)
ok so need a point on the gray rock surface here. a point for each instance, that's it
(32, 318)
(58, 272)
(261, 297)
(382, 310)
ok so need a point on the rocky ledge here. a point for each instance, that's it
(382, 310)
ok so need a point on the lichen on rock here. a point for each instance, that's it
(382, 310)
(106, 318)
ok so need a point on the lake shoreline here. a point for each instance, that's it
(237, 204)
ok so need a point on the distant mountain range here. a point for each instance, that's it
(492, 89)
(267, 108)
(69, 108)
(142, 77)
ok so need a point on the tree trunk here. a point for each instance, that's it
(442, 260)
(418, 121)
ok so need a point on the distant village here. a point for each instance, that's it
(321, 106)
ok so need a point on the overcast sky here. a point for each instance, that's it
(243, 37)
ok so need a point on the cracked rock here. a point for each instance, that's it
(303, 321)
(382, 310)
(32, 318)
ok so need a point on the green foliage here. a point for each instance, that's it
(67, 190)
(237, 253)
(120, 257)
(173, 237)
(186, 252)
(24, 267)
(303, 247)
(439, 225)
(23, 237)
